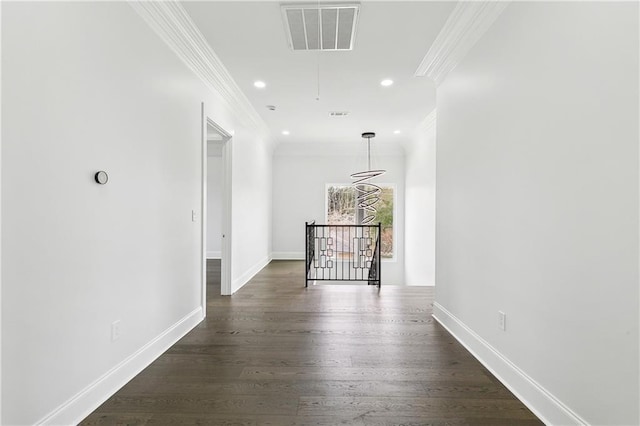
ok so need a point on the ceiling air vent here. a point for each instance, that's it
(338, 113)
(323, 27)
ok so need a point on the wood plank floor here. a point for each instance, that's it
(276, 353)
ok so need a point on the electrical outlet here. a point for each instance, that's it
(115, 330)
(194, 216)
(502, 320)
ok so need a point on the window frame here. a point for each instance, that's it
(394, 187)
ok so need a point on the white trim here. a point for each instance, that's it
(224, 135)
(175, 27)
(214, 255)
(203, 209)
(468, 22)
(287, 255)
(82, 404)
(225, 253)
(239, 282)
(539, 400)
(638, 205)
(0, 222)
(226, 284)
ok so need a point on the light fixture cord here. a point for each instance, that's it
(319, 49)
(318, 95)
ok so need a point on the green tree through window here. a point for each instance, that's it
(342, 210)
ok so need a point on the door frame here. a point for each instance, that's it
(225, 279)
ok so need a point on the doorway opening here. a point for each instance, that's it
(216, 203)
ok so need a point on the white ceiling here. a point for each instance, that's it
(391, 40)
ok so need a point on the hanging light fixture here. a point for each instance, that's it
(367, 193)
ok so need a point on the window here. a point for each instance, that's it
(342, 210)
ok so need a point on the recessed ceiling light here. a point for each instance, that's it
(386, 82)
(259, 84)
(285, 132)
(396, 132)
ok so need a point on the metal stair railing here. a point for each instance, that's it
(342, 253)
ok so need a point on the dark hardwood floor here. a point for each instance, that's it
(276, 353)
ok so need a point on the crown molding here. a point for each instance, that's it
(175, 27)
(466, 25)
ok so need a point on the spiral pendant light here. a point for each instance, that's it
(367, 192)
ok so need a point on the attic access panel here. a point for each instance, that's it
(323, 27)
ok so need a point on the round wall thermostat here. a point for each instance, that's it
(101, 177)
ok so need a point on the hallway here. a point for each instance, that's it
(276, 353)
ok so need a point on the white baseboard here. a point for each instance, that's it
(239, 282)
(74, 410)
(288, 255)
(214, 255)
(540, 401)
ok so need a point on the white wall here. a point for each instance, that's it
(251, 206)
(537, 207)
(420, 206)
(214, 205)
(79, 97)
(300, 176)
(1, 219)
